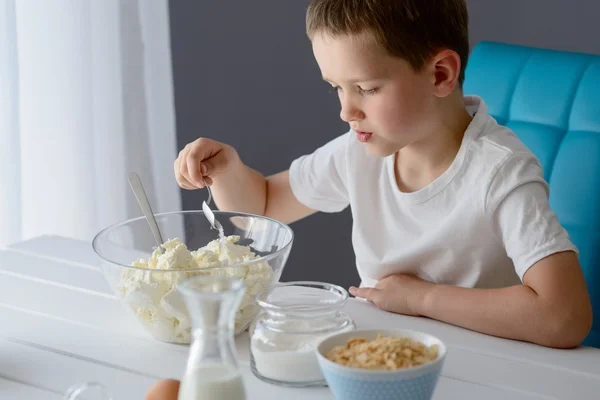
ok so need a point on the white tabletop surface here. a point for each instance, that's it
(60, 324)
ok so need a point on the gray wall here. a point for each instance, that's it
(570, 25)
(244, 74)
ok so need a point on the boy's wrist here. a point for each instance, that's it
(421, 302)
(235, 170)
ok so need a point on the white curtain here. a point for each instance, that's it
(85, 97)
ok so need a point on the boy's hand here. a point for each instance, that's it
(399, 293)
(203, 158)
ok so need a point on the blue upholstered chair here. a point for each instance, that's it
(551, 100)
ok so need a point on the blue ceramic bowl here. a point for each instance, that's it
(349, 383)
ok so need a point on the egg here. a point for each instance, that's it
(165, 389)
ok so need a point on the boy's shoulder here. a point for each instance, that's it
(497, 161)
(501, 141)
(494, 144)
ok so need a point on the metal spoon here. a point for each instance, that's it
(210, 216)
(140, 195)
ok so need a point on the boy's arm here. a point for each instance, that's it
(551, 308)
(245, 190)
(281, 203)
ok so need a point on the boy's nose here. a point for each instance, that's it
(351, 113)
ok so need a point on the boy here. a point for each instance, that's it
(451, 214)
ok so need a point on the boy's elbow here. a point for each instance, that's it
(568, 330)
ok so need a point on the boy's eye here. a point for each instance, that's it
(362, 91)
(368, 91)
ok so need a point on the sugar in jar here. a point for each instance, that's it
(294, 318)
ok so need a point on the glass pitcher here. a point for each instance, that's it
(212, 370)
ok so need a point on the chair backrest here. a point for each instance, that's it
(551, 100)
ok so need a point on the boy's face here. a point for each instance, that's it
(383, 99)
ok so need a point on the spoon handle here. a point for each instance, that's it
(140, 195)
(209, 191)
(208, 211)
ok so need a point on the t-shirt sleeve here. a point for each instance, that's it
(319, 180)
(518, 205)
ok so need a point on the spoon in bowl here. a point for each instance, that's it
(140, 194)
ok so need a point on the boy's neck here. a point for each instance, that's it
(420, 163)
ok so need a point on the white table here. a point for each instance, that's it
(60, 324)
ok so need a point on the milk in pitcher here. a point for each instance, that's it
(210, 382)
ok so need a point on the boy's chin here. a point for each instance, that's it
(378, 150)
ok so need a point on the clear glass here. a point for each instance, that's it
(121, 244)
(294, 317)
(87, 391)
(212, 369)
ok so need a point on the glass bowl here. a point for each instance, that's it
(152, 294)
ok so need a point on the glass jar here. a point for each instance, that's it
(294, 318)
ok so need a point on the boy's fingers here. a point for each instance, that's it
(366, 293)
(183, 169)
(194, 174)
(207, 168)
(185, 184)
(215, 163)
(181, 181)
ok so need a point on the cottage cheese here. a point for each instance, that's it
(153, 295)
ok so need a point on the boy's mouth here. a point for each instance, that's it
(364, 137)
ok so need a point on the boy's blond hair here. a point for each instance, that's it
(413, 30)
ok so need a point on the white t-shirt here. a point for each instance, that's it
(482, 223)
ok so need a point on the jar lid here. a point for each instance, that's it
(303, 299)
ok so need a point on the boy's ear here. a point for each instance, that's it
(445, 66)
